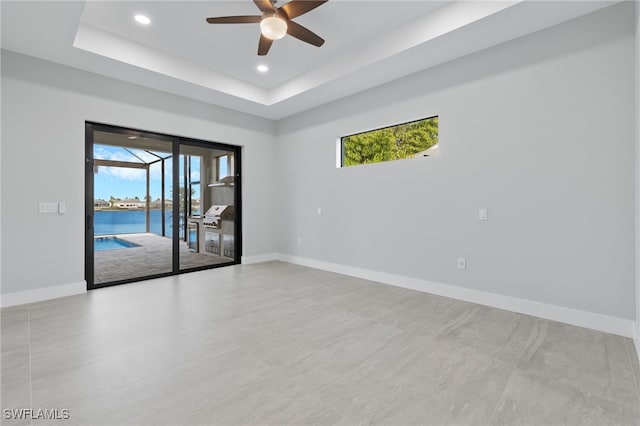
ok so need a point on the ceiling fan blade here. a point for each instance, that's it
(264, 5)
(301, 33)
(235, 20)
(300, 7)
(264, 45)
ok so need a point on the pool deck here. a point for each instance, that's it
(151, 258)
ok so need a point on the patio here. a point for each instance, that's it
(151, 258)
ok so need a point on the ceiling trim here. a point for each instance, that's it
(451, 31)
(446, 19)
(111, 46)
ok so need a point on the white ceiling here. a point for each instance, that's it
(179, 29)
(368, 43)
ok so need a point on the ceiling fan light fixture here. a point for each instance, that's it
(141, 19)
(276, 22)
(273, 28)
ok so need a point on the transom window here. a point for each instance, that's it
(399, 142)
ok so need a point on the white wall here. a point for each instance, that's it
(44, 108)
(539, 130)
(1, 159)
(637, 335)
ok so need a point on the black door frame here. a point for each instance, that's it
(176, 141)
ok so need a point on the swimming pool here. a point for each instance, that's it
(111, 243)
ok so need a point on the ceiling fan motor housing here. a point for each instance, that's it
(275, 23)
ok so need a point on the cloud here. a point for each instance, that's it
(156, 171)
(124, 173)
(130, 174)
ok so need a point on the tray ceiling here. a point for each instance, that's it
(368, 43)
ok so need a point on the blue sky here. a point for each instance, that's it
(123, 182)
(107, 184)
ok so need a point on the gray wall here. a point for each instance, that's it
(539, 130)
(637, 337)
(44, 107)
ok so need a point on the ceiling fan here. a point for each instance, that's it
(275, 23)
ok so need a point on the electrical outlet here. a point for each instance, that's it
(462, 263)
(319, 211)
(483, 214)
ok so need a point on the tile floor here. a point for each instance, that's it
(151, 258)
(280, 344)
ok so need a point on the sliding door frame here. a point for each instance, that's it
(177, 142)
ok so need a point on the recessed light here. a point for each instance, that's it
(132, 137)
(142, 19)
(262, 68)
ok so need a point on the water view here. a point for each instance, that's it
(109, 222)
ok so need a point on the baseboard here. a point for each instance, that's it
(44, 293)
(266, 257)
(604, 323)
(607, 324)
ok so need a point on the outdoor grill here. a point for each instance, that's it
(216, 214)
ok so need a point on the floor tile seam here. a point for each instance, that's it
(429, 341)
(635, 380)
(103, 355)
(452, 325)
(293, 297)
(611, 400)
(506, 383)
(156, 373)
(325, 345)
(234, 315)
(332, 341)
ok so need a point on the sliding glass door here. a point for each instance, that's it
(208, 208)
(157, 205)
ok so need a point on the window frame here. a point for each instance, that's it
(341, 165)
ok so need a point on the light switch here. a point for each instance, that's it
(319, 211)
(483, 214)
(48, 207)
